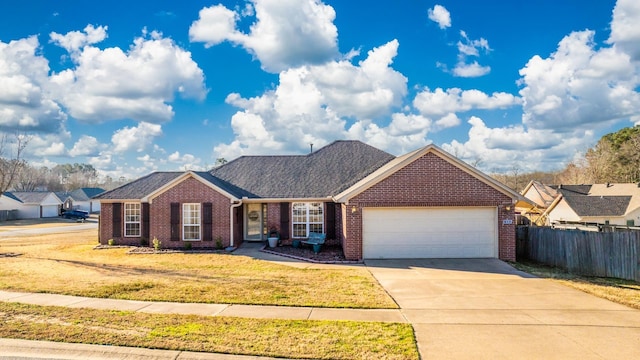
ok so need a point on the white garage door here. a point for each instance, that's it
(460, 232)
(49, 211)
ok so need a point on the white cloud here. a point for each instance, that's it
(215, 24)
(470, 70)
(579, 85)
(440, 102)
(47, 144)
(73, 41)
(104, 163)
(54, 149)
(470, 47)
(86, 146)
(625, 31)
(137, 84)
(286, 33)
(135, 138)
(467, 48)
(447, 121)
(441, 16)
(310, 104)
(500, 149)
(414, 132)
(186, 161)
(25, 102)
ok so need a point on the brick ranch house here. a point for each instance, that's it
(424, 204)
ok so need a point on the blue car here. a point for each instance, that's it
(75, 214)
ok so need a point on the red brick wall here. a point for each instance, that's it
(189, 191)
(105, 228)
(426, 182)
(273, 216)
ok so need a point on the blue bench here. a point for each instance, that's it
(315, 239)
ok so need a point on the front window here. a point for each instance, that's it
(191, 221)
(307, 217)
(131, 220)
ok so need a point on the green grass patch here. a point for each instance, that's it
(625, 292)
(259, 337)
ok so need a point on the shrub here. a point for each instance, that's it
(144, 241)
(188, 246)
(219, 243)
(157, 244)
(111, 242)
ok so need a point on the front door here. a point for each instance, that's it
(253, 223)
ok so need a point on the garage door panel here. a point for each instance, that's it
(429, 232)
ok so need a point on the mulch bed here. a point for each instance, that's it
(150, 250)
(328, 254)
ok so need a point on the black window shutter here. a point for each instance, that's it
(284, 220)
(207, 221)
(175, 221)
(145, 221)
(117, 220)
(330, 220)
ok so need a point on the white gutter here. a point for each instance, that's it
(231, 232)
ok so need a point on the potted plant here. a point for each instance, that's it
(274, 238)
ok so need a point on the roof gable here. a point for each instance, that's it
(321, 174)
(542, 195)
(203, 177)
(400, 162)
(139, 188)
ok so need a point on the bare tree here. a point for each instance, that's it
(11, 159)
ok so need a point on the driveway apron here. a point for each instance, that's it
(486, 309)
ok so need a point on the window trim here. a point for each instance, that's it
(139, 222)
(307, 216)
(198, 217)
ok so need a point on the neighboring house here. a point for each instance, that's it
(81, 199)
(540, 197)
(33, 204)
(9, 206)
(605, 204)
(425, 204)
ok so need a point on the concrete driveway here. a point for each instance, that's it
(485, 309)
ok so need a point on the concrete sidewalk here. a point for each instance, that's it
(23, 349)
(244, 311)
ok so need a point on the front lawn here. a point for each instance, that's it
(68, 264)
(259, 337)
(625, 292)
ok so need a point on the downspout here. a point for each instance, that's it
(231, 232)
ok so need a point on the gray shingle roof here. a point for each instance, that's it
(568, 190)
(141, 187)
(323, 173)
(83, 194)
(30, 197)
(88, 192)
(598, 205)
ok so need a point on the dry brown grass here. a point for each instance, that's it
(68, 264)
(276, 338)
(625, 292)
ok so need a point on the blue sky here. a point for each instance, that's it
(132, 87)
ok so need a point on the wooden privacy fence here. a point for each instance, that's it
(605, 254)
